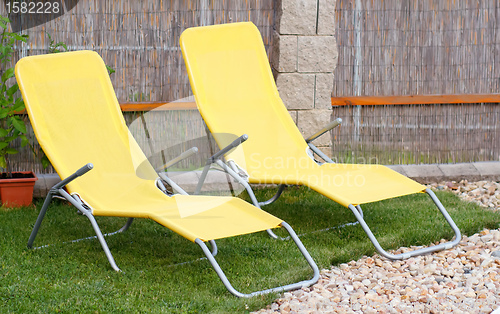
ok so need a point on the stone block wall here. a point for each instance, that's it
(303, 60)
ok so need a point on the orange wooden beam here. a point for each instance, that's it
(416, 99)
(147, 106)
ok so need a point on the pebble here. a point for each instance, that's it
(464, 279)
(484, 193)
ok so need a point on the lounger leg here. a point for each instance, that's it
(442, 246)
(202, 179)
(85, 212)
(257, 204)
(55, 190)
(275, 197)
(125, 227)
(301, 284)
(104, 245)
(94, 224)
(59, 190)
(214, 247)
(359, 210)
(41, 215)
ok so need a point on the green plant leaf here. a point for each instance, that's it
(4, 21)
(7, 74)
(110, 70)
(18, 124)
(3, 132)
(12, 90)
(24, 140)
(11, 151)
(45, 161)
(3, 50)
(56, 47)
(3, 162)
(61, 44)
(22, 38)
(18, 105)
(9, 139)
(3, 144)
(4, 112)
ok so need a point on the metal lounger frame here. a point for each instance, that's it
(297, 285)
(442, 246)
(358, 213)
(58, 190)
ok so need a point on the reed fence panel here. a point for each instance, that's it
(394, 48)
(140, 41)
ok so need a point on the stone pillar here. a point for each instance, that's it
(303, 59)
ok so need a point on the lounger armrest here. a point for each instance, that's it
(215, 157)
(184, 155)
(80, 172)
(226, 149)
(335, 123)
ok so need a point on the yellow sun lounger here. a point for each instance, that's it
(77, 121)
(235, 93)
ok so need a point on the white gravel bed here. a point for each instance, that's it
(464, 279)
(484, 193)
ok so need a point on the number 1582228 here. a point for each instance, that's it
(23, 7)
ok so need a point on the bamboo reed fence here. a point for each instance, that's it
(140, 41)
(386, 48)
(417, 47)
(416, 134)
(403, 48)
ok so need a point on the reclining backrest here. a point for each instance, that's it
(236, 93)
(77, 120)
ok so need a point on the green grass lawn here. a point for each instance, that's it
(77, 276)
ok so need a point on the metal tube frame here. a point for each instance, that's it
(426, 250)
(335, 123)
(320, 153)
(297, 285)
(170, 182)
(247, 187)
(161, 171)
(188, 153)
(230, 169)
(58, 190)
(203, 176)
(273, 199)
(215, 158)
(358, 212)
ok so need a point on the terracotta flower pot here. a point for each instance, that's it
(18, 191)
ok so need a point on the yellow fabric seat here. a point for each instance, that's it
(345, 183)
(77, 120)
(235, 93)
